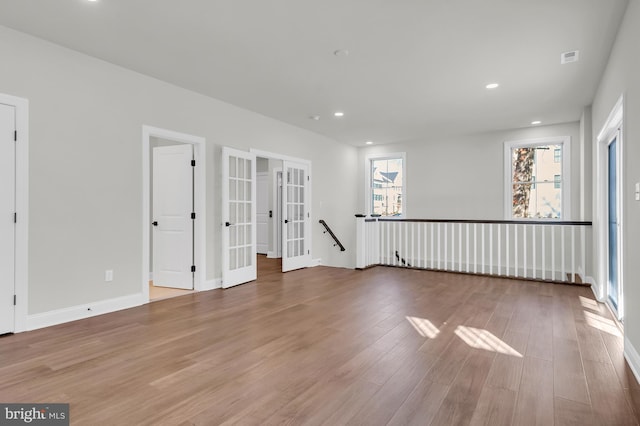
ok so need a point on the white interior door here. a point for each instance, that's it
(238, 217)
(296, 250)
(7, 224)
(262, 212)
(172, 219)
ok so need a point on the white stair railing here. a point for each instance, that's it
(537, 250)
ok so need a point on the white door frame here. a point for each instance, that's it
(199, 153)
(275, 156)
(22, 209)
(614, 122)
(276, 220)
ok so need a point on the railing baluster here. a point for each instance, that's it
(446, 268)
(564, 269)
(508, 252)
(515, 245)
(573, 253)
(433, 258)
(460, 247)
(499, 248)
(553, 253)
(544, 252)
(468, 248)
(424, 231)
(438, 245)
(582, 254)
(453, 247)
(490, 249)
(534, 249)
(475, 248)
(483, 247)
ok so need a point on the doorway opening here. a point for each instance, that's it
(283, 230)
(174, 261)
(288, 212)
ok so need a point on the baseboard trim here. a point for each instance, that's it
(212, 284)
(594, 288)
(315, 262)
(74, 313)
(632, 357)
(272, 255)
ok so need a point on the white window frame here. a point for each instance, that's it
(565, 141)
(367, 179)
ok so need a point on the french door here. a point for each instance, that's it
(614, 288)
(296, 229)
(238, 217)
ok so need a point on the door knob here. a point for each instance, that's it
(286, 221)
(154, 223)
(227, 224)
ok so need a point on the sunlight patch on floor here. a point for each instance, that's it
(602, 323)
(483, 339)
(589, 303)
(424, 327)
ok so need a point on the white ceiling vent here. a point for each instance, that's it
(568, 57)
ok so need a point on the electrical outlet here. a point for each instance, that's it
(108, 275)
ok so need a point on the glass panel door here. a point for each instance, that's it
(296, 250)
(613, 286)
(238, 217)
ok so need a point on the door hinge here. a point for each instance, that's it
(193, 163)
(15, 218)
(14, 300)
(193, 268)
(193, 215)
(15, 135)
(308, 178)
(308, 251)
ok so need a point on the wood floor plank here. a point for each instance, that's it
(495, 408)
(331, 346)
(571, 413)
(609, 402)
(460, 403)
(506, 370)
(535, 396)
(569, 377)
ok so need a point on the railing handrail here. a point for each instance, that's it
(337, 241)
(508, 222)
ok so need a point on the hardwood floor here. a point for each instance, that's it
(160, 293)
(335, 346)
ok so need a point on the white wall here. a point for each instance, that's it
(622, 76)
(463, 178)
(86, 119)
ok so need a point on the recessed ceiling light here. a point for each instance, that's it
(314, 117)
(369, 143)
(492, 85)
(341, 53)
(338, 114)
(536, 122)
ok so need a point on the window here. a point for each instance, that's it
(385, 185)
(536, 179)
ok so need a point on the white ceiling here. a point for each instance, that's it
(416, 69)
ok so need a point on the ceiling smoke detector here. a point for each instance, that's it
(568, 57)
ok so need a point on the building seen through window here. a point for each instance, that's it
(536, 181)
(387, 186)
